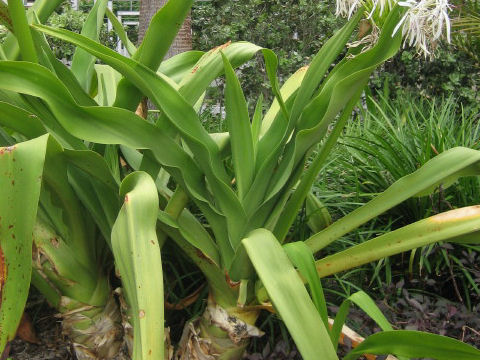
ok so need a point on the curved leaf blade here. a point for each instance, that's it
(443, 170)
(414, 344)
(137, 255)
(289, 295)
(22, 168)
(459, 225)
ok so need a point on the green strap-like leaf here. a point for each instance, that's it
(313, 76)
(459, 225)
(108, 80)
(82, 61)
(103, 125)
(257, 121)
(238, 123)
(336, 93)
(365, 302)
(137, 256)
(22, 32)
(178, 66)
(121, 33)
(289, 296)
(302, 258)
(443, 169)
(61, 70)
(210, 66)
(22, 167)
(414, 344)
(21, 121)
(291, 208)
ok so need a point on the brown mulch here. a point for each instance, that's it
(411, 311)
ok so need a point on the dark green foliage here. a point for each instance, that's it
(294, 30)
(451, 71)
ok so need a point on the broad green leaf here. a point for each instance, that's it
(459, 225)
(302, 258)
(414, 344)
(108, 80)
(16, 9)
(442, 170)
(210, 66)
(289, 296)
(61, 70)
(22, 167)
(238, 123)
(20, 121)
(137, 256)
(178, 66)
(121, 33)
(82, 61)
(257, 121)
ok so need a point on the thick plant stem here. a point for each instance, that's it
(90, 315)
(221, 333)
(95, 332)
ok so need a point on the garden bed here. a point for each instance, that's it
(410, 311)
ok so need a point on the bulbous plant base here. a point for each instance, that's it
(217, 335)
(96, 332)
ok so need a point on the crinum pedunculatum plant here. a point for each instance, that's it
(248, 185)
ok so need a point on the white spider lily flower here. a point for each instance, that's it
(346, 8)
(422, 24)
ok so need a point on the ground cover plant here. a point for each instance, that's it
(245, 186)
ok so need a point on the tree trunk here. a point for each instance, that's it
(183, 41)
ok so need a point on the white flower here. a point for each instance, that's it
(422, 25)
(346, 8)
(424, 22)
